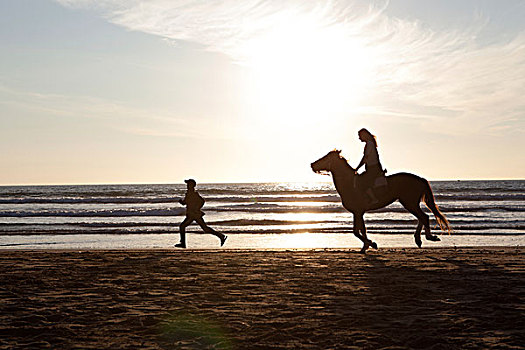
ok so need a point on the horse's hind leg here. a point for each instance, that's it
(426, 222)
(423, 221)
(417, 235)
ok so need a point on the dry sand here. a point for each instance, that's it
(314, 299)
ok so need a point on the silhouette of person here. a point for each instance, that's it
(373, 168)
(194, 202)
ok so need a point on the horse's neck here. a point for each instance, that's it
(343, 183)
(344, 180)
(345, 186)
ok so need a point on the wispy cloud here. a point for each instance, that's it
(449, 74)
(115, 115)
(223, 26)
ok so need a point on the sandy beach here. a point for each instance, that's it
(441, 298)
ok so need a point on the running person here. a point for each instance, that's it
(194, 202)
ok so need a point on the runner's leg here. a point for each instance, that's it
(208, 229)
(182, 229)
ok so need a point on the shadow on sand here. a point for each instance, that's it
(462, 300)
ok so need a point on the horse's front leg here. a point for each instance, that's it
(357, 229)
(360, 232)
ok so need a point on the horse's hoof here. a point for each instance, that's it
(366, 245)
(373, 245)
(433, 238)
(418, 242)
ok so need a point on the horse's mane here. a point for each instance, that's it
(342, 158)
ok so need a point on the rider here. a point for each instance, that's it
(373, 168)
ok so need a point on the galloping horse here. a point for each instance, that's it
(409, 189)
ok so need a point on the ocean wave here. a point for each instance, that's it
(94, 213)
(480, 197)
(236, 198)
(276, 209)
(103, 200)
(167, 200)
(409, 230)
(268, 208)
(372, 222)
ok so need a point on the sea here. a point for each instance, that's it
(253, 215)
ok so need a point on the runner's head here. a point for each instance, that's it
(191, 183)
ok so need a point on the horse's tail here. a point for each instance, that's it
(428, 198)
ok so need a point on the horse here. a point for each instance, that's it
(408, 188)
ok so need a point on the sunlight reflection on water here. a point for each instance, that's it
(245, 241)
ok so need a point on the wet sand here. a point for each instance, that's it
(440, 298)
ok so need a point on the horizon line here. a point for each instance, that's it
(226, 183)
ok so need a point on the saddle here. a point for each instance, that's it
(379, 181)
(379, 185)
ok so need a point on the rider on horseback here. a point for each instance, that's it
(373, 168)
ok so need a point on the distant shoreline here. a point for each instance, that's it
(219, 183)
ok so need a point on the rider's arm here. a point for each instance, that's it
(366, 153)
(363, 160)
(361, 163)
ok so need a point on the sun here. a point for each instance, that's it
(303, 69)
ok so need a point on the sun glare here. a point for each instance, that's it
(305, 70)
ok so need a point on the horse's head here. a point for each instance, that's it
(325, 164)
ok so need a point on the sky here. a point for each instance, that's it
(158, 91)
